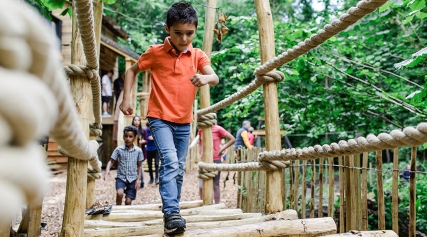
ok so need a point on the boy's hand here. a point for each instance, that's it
(107, 174)
(199, 80)
(150, 138)
(126, 107)
(137, 184)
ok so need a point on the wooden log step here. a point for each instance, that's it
(158, 229)
(298, 227)
(130, 216)
(158, 207)
(190, 219)
(377, 233)
(187, 207)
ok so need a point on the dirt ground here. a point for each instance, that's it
(53, 204)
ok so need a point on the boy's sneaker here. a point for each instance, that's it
(174, 224)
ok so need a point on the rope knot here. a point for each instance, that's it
(206, 174)
(272, 76)
(274, 164)
(207, 120)
(95, 129)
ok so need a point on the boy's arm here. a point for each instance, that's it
(208, 77)
(138, 180)
(107, 170)
(126, 106)
(230, 142)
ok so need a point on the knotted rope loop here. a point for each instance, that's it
(273, 76)
(206, 174)
(274, 165)
(95, 129)
(81, 70)
(93, 174)
(207, 120)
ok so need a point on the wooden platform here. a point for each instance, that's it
(213, 220)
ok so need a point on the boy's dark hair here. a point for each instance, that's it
(111, 71)
(181, 12)
(130, 129)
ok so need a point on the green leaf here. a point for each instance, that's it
(396, 2)
(109, 1)
(418, 5)
(421, 15)
(384, 7)
(53, 4)
(42, 9)
(408, 19)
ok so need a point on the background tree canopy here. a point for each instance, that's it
(369, 78)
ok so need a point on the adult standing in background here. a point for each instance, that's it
(106, 93)
(242, 138)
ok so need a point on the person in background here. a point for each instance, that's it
(119, 84)
(251, 137)
(242, 136)
(106, 93)
(152, 153)
(129, 158)
(140, 141)
(218, 133)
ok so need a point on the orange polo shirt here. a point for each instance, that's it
(172, 94)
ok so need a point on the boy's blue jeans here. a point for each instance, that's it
(172, 141)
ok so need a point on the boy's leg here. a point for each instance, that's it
(120, 186)
(217, 190)
(162, 133)
(181, 139)
(156, 165)
(130, 192)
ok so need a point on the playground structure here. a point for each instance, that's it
(39, 87)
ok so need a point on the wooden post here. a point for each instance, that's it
(97, 14)
(75, 198)
(5, 228)
(35, 214)
(351, 213)
(296, 185)
(348, 179)
(272, 125)
(381, 209)
(357, 192)
(395, 191)
(313, 187)
(341, 173)
(364, 192)
(304, 190)
(320, 207)
(412, 194)
(331, 187)
(205, 100)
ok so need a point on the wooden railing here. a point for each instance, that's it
(349, 188)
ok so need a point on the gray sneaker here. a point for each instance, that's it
(174, 224)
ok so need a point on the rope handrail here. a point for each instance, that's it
(410, 136)
(347, 19)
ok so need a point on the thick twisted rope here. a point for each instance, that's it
(259, 80)
(85, 23)
(354, 14)
(32, 83)
(207, 120)
(207, 170)
(410, 136)
(93, 76)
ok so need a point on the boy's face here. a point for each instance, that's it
(129, 138)
(181, 34)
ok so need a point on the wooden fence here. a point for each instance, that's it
(335, 187)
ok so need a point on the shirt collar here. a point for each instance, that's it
(168, 46)
(123, 147)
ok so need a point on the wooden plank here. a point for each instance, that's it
(348, 186)
(307, 227)
(364, 192)
(412, 193)
(331, 182)
(376, 233)
(5, 229)
(320, 207)
(273, 137)
(351, 213)
(35, 217)
(357, 192)
(341, 178)
(262, 133)
(380, 188)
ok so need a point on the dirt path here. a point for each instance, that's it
(53, 204)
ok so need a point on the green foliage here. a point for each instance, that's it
(40, 7)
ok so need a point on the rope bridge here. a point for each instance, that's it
(35, 101)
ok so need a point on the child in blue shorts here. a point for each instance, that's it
(129, 158)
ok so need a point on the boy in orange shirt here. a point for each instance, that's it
(174, 66)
